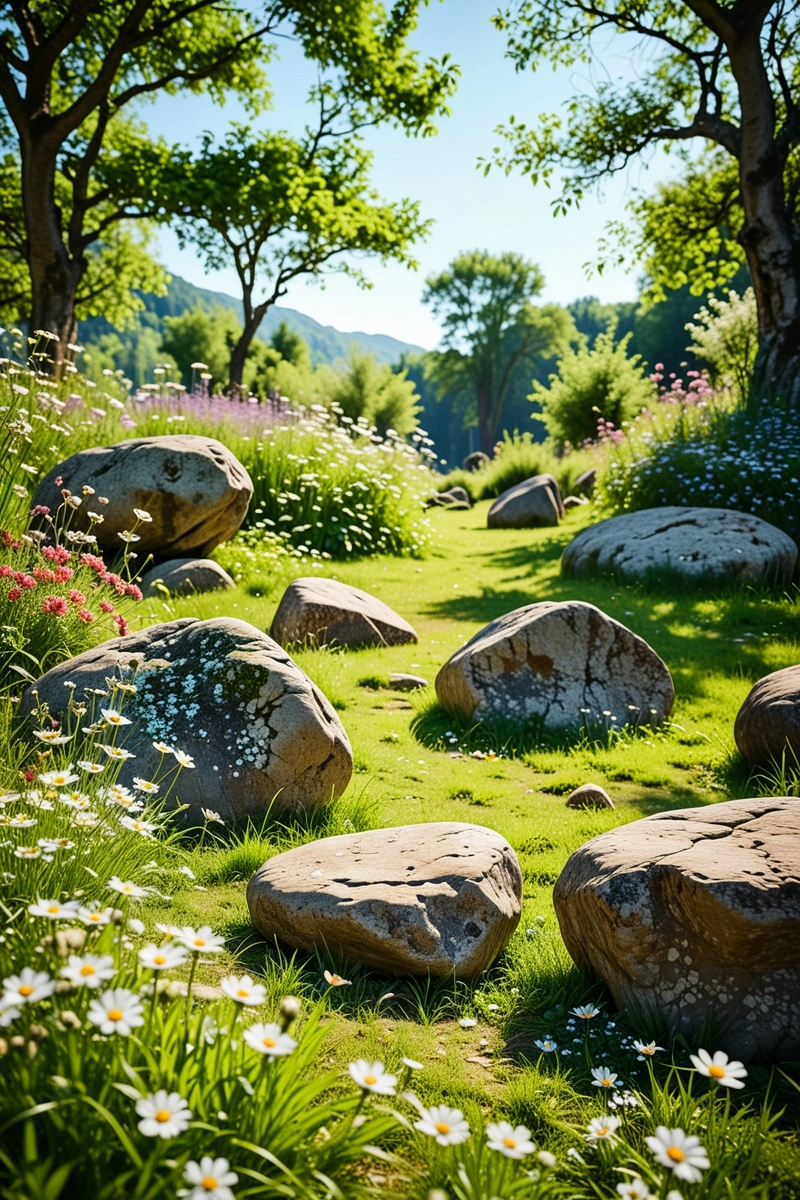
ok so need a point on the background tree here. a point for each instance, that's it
(491, 332)
(275, 208)
(386, 398)
(69, 68)
(725, 74)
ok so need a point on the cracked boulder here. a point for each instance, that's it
(693, 917)
(330, 613)
(262, 736)
(442, 898)
(562, 664)
(185, 577)
(195, 490)
(768, 723)
(714, 544)
(534, 503)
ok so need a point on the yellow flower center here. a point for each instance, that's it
(603, 1131)
(163, 1115)
(53, 908)
(647, 1050)
(87, 969)
(159, 960)
(26, 990)
(605, 1083)
(199, 942)
(94, 917)
(675, 1153)
(242, 992)
(510, 1143)
(716, 1072)
(209, 1183)
(115, 1014)
(269, 1042)
(442, 1127)
(370, 1079)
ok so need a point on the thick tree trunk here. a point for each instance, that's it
(768, 236)
(55, 274)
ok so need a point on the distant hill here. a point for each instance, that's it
(327, 345)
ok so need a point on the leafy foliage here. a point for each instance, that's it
(726, 337)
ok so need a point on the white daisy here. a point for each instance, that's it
(164, 1114)
(446, 1125)
(334, 980)
(162, 747)
(146, 786)
(636, 1189)
(54, 910)
(243, 990)
(162, 958)
(211, 1179)
(28, 852)
(210, 817)
(372, 1077)
(91, 768)
(269, 1040)
(58, 778)
(112, 717)
(603, 1078)
(8, 1012)
(127, 888)
(93, 914)
(679, 1151)
(116, 752)
(199, 941)
(53, 737)
(647, 1049)
(546, 1045)
(142, 515)
(720, 1068)
(146, 828)
(88, 970)
(512, 1141)
(20, 821)
(183, 760)
(585, 1011)
(29, 987)
(602, 1129)
(116, 1011)
(51, 844)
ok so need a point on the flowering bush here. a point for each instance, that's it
(708, 455)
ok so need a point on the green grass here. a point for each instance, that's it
(415, 764)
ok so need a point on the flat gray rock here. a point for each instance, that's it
(694, 916)
(767, 725)
(442, 898)
(262, 735)
(328, 612)
(529, 505)
(699, 543)
(195, 490)
(589, 795)
(567, 664)
(186, 576)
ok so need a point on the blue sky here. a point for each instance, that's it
(470, 211)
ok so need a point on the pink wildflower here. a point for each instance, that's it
(85, 615)
(14, 593)
(55, 605)
(56, 554)
(76, 597)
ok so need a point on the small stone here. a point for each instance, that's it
(589, 795)
(328, 612)
(186, 576)
(534, 503)
(585, 482)
(574, 502)
(407, 683)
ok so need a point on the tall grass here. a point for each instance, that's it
(519, 458)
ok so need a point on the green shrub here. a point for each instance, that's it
(517, 458)
(603, 382)
(726, 337)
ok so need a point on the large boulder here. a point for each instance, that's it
(534, 503)
(566, 663)
(185, 576)
(262, 736)
(442, 898)
(694, 916)
(195, 490)
(699, 543)
(768, 723)
(328, 612)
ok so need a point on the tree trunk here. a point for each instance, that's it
(768, 236)
(55, 274)
(252, 319)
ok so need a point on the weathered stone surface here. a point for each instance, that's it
(327, 612)
(184, 576)
(567, 664)
(407, 683)
(442, 898)
(589, 795)
(696, 914)
(699, 543)
(585, 482)
(529, 505)
(574, 502)
(194, 489)
(459, 494)
(261, 734)
(768, 723)
(476, 460)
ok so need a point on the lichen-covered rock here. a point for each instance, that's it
(567, 664)
(532, 504)
(262, 736)
(768, 723)
(328, 612)
(442, 898)
(699, 543)
(185, 576)
(589, 795)
(694, 916)
(194, 489)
